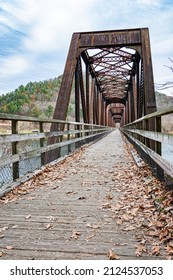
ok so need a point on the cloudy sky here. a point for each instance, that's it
(35, 34)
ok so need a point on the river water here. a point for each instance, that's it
(167, 152)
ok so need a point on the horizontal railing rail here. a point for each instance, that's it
(147, 137)
(23, 145)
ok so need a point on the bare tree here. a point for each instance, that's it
(167, 84)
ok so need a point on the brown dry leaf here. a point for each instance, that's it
(154, 233)
(109, 196)
(163, 233)
(140, 249)
(129, 228)
(48, 226)
(71, 192)
(93, 226)
(171, 243)
(13, 227)
(75, 235)
(3, 229)
(106, 206)
(28, 217)
(155, 250)
(22, 192)
(160, 224)
(116, 207)
(51, 218)
(134, 211)
(112, 255)
(119, 221)
(169, 249)
(143, 241)
(90, 237)
(126, 217)
(9, 247)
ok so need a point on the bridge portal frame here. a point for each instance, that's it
(139, 99)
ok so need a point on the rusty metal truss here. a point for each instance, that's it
(113, 76)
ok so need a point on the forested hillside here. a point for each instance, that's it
(163, 101)
(35, 99)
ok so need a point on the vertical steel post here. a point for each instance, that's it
(87, 94)
(77, 96)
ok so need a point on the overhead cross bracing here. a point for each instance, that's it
(113, 76)
(112, 68)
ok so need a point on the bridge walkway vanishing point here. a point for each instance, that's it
(94, 204)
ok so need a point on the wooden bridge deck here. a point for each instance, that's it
(92, 205)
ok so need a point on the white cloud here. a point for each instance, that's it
(148, 2)
(48, 26)
(13, 65)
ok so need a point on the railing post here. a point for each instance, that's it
(42, 143)
(15, 150)
(69, 138)
(77, 135)
(60, 138)
(158, 149)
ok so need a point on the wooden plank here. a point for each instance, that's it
(158, 113)
(28, 237)
(44, 120)
(37, 152)
(157, 136)
(164, 164)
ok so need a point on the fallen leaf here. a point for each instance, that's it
(119, 222)
(159, 224)
(169, 249)
(90, 237)
(155, 250)
(75, 234)
(126, 217)
(70, 192)
(81, 197)
(9, 247)
(129, 228)
(4, 228)
(93, 226)
(171, 243)
(153, 233)
(112, 255)
(28, 217)
(106, 206)
(14, 226)
(134, 211)
(164, 233)
(140, 249)
(51, 218)
(109, 196)
(47, 226)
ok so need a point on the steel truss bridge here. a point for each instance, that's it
(71, 208)
(113, 77)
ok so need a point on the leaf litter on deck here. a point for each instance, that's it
(144, 203)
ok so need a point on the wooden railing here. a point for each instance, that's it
(149, 143)
(27, 138)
